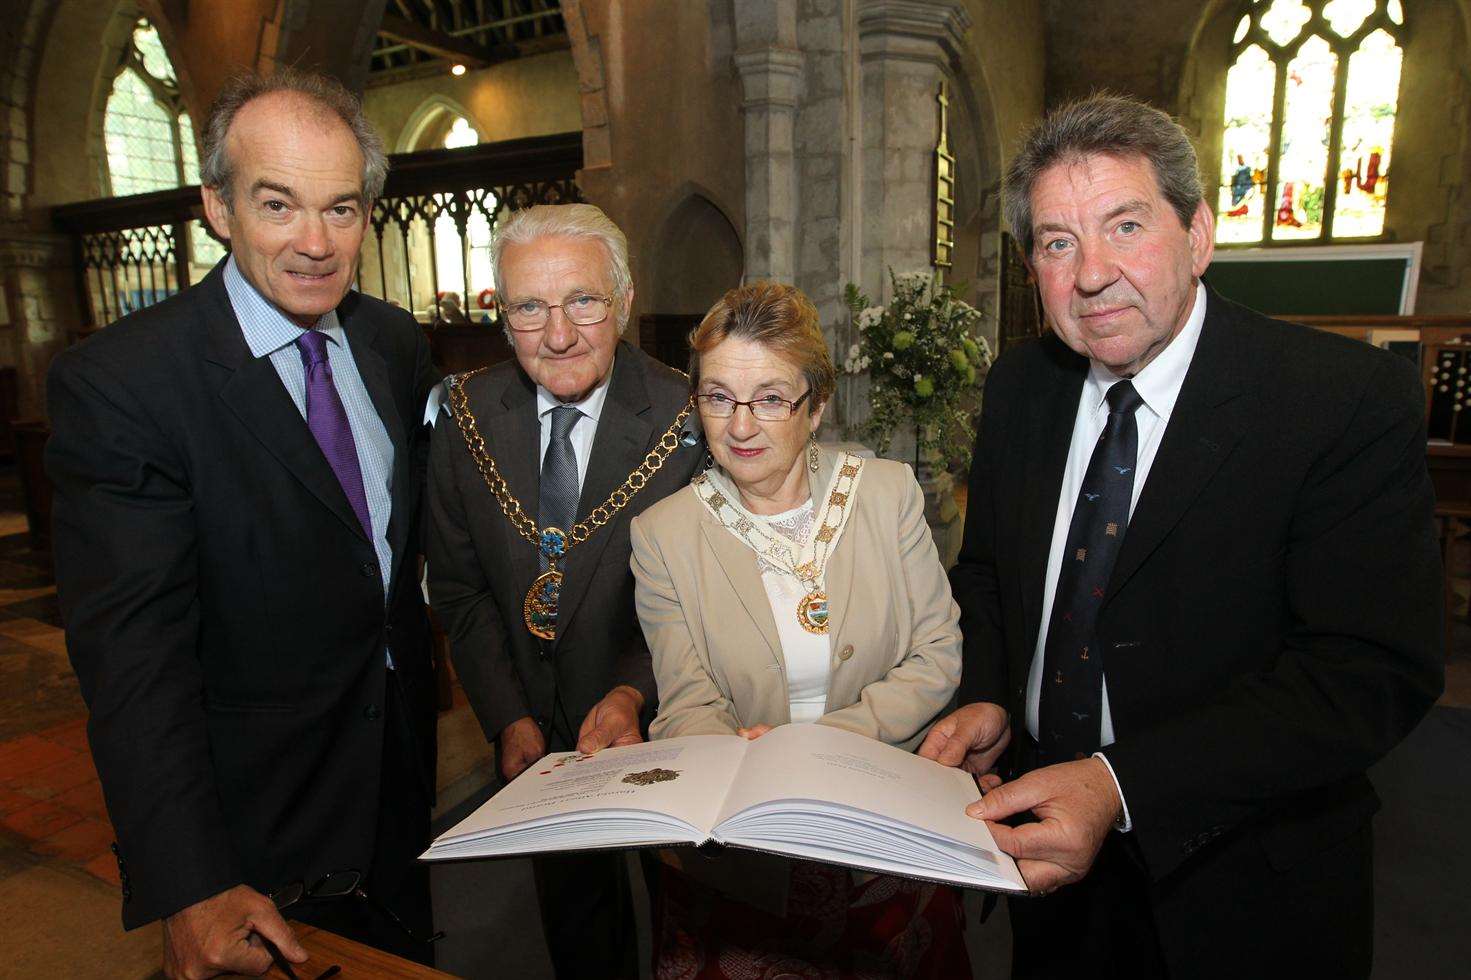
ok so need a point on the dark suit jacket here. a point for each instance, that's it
(480, 568)
(224, 609)
(1272, 626)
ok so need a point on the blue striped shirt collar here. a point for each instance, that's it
(266, 328)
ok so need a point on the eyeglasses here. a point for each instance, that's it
(344, 884)
(582, 309)
(767, 408)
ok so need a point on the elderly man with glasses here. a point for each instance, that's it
(536, 471)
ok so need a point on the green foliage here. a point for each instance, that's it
(923, 360)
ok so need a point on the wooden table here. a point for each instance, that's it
(358, 962)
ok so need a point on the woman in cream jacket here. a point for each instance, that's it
(792, 584)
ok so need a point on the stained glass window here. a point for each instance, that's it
(1293, 168)
(450, 260)
(149, 138)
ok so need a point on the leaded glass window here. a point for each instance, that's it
(149, 138)
(1311, 96)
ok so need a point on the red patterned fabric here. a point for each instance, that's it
(834, 928)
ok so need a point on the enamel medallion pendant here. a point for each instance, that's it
(812, 611)
(539, 611)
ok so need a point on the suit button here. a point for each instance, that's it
(113, 847)
(372, 712)
(127, 894)
(541, 721)
(368, 569)
(387, 629)
(846, 653)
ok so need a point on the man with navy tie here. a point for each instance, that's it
(1199, 587)
(238, 475)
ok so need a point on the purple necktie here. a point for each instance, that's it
(327, 419)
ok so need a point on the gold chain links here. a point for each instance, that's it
(601, 514)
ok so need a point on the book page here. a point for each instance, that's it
(837, 767)
(685, 778)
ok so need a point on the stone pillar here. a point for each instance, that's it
(769, 63)
(40, 288)
(907, 48)
(771, 79)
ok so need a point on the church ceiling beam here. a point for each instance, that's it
(439, 44)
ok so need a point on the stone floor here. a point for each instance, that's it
(58, 881)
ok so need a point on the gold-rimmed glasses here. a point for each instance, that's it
(582, 309)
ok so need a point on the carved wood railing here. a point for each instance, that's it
(133, 251)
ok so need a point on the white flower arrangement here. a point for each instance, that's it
(924, 360)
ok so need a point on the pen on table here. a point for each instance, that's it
(331, 971)
(278, 959)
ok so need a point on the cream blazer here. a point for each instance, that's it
(894, 628)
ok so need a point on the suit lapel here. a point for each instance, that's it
(738, 562)
(625, 431)
(1206, 424)
(1050, 433)
(513, 437)
(362, 339)
(253, 391)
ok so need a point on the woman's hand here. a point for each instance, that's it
(753, 733)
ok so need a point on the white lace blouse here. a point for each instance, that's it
(807, 655)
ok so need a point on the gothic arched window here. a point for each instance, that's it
(150, 140)
(1311, 96)
(455, 257)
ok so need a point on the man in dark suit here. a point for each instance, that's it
(1199, 588)
(574, 425)
(238, 474)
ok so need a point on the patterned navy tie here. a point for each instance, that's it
(558, 505)
(327, 419)
(1070, 709)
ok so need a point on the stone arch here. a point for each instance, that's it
(698, 255)
(976, 145)
(74, 103)
(428, 124)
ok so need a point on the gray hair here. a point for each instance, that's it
(1112, 125)
(572, 221)
(217, 171)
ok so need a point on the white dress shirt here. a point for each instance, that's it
(1158, 384)
(583, 430)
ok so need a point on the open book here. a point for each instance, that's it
(807, 791)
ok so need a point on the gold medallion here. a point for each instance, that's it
(540, 608)
(812, 611)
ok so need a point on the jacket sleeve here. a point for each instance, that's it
(125, 552)
(898, 706)
(977, 591)
(461, 594)
(1360, 666)
(634, 667)
(690, 702)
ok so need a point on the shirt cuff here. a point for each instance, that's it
(1125, 823)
